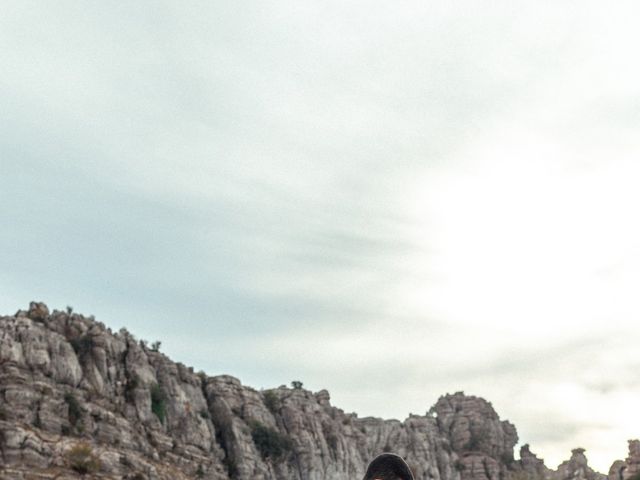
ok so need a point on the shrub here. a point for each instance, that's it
(74, 411)
(507, 458)
(155, 346)
(204, 413)
(200, 471)
(231, 466)
(271, 443)
(271, 401)
(82, 459)
(297, 385)
(82, 345)
(476, 439)
(130, 387)
(158, 402)
(459, 466)
(474, 443)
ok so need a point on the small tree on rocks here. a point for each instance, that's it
(82, 459)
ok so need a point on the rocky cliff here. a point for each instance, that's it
(77, 398)
(628, 469)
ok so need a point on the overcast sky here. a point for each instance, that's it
(391, 200)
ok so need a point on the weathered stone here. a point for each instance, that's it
(577, 468)
(66, 379)
(629, 468)
(38, 311)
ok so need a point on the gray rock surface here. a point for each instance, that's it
(68, 382)
(577, 468)
(630, 467)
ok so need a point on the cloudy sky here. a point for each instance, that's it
(390, 200)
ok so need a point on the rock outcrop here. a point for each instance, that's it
(630, 468)
(530, 467)
(577, 468)
(77, 398)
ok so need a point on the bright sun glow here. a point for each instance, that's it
(536, 243)
(533, 236)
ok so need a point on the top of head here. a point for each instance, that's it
(388, 466)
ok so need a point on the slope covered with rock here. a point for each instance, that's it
(77, 398)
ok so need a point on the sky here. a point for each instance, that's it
(389, 200)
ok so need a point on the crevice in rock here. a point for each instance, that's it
(224, 436)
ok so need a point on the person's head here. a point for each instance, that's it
(388, 466)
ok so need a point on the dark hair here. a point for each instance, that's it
(388, 466)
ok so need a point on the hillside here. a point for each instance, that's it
(76, 398)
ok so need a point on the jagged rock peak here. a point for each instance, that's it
(577, 468)
(531, 466)
(630, 467)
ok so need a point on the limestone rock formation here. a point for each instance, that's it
(629, 468)
(577, 468)
(530, 467)
(76, 397)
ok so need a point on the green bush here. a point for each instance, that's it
(507, 458)
(270, 443)
(333, 441)
(271, 401)
(231, 466)
(82, 459)
(297, 385)
(74, 411)
(474, 443)
(476, 439)
(158, 402)
(82, 345)
(130, 387)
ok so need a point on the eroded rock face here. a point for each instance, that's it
(483, 443)
(530, 467)
(577, 468)
(629, 468)
(633, 460)
(66, 380)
